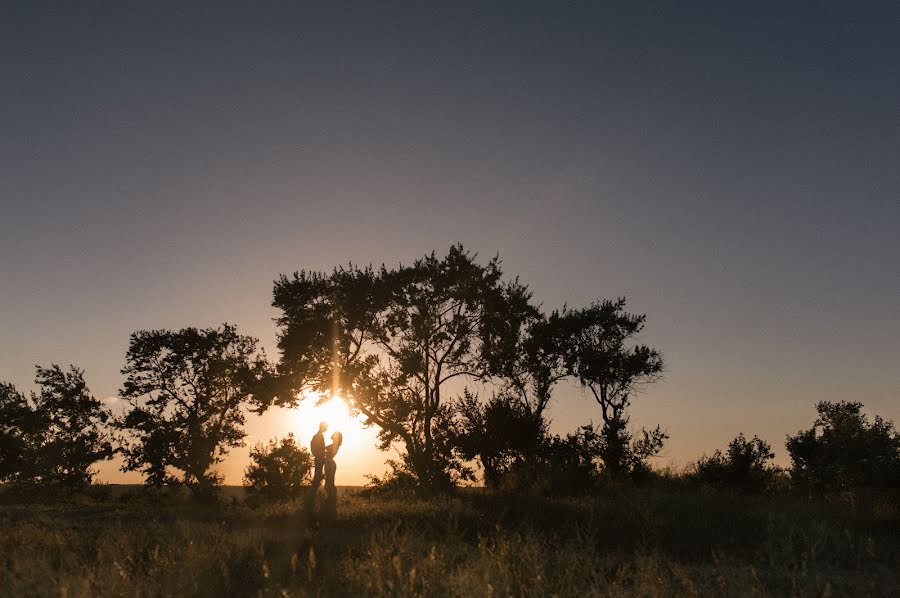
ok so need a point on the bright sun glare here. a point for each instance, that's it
(334, 411)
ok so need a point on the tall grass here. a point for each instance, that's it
(632, 542)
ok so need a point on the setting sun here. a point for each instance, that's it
(358, 448)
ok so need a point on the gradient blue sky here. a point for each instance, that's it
(733, 169)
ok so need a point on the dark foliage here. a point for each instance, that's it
(745, 466)
(528, 356)
(55, 436)
(605, 359)
(505, 436)
(569, 464)
(390, 340)
(18, 428)
(187, 392)
(278, 470)
(73, 426)
(843, 450)
(434, 473)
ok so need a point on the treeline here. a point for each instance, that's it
(391, 342)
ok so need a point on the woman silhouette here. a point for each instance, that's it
(330, 468)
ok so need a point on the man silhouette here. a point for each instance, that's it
(317, 448)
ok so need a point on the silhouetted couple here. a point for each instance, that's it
(323, 463)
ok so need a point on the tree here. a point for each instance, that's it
(843, 450)
(529, 356)
(744, 466)
(18, 429)
(502, 434)
(58, 434)
(74, 427)
(278, 470)
(390, 341)
(604, 358)
(187, 391)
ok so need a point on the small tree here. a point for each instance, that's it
(843, 450)
(527, 356)
(55, 436)
(74, 428)
(604, 358)
(187, 392)
(278, 470)
(744, 466)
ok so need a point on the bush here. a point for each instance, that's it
(397, 482)
(744, 466)
(420, 475)
(569, 463)
(843, 450)
(502, 434)
(278, 470)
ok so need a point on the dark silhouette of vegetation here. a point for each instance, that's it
(278, 470)
(528, 357)
(508, 434)
(843, 450)
(569, 465)
(56, 435)
(605, 359)
(504, 435)
(18, 427)
(187, 391)
(390, 340)
(745, 466)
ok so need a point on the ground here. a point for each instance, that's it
(625, 541)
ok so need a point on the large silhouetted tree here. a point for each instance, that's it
(187, 392)
(56, 435)
(390, 340)
(607, 361)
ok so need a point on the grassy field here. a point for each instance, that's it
(651, 542)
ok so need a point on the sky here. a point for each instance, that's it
(733, 169)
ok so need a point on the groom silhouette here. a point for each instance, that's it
(317, 448)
